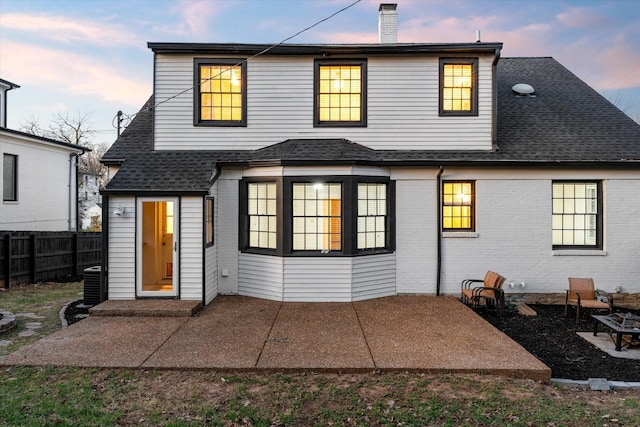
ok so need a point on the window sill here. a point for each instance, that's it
(579, 252)
(462, 234)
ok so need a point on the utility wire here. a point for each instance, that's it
(262, 52)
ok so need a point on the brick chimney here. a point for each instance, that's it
(388, 23)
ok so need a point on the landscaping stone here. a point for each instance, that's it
(7, 320)
(599, 384)
(27, 333)
(29, 315)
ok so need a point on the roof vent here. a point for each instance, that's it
(523, 89)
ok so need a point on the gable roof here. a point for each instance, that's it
(566, 123)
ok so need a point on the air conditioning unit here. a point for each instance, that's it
(93, 290)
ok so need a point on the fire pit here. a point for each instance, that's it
(621, 324)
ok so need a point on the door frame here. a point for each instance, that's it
(175, 288)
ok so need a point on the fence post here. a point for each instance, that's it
(7, 261)
(75, 257)
(34, 257)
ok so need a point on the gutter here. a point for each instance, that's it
(214, 178)
(438, 228)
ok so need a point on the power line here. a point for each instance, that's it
(262, 52)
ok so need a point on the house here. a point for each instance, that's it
(89, 201)
(38, 178)
(346, 172)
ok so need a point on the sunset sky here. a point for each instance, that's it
(91, 56)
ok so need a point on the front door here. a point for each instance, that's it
(157, 247)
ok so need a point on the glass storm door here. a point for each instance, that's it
(157, 247)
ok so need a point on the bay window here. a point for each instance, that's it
(317, 216)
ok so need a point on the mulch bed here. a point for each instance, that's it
(552, 338)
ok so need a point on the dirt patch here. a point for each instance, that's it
(552, 338)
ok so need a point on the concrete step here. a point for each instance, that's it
(147, 308)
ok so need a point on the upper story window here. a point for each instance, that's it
(340, 93)
(9, 177)
(458, 86)
(221, 92)
(576, 215)
(457, 206)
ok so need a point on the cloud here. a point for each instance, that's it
(195, 18)
(579, 17)
(80, 75)
(66, 30)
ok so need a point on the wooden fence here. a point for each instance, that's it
(31, 257)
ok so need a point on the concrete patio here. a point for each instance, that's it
(413, 333)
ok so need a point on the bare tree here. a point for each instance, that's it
(75, 130)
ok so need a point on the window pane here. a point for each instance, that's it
(457, 87)
(220, 87)
(9, 177)
(316, 216)
(457, 205)
(579, 222)
(339, 91)
(261, 209)
(371, 215)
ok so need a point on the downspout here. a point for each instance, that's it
(212, 181)
(104, 279)
(438, 230)
(494, 102)
(72, 156)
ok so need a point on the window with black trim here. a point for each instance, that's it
(9, 177)
(317, 217)
(458, 198)
(340, 93)
(341, 215)
(372, 216)
(262, 214)
(576, 214)
(208, 221)
(221, 95)
(458, 86)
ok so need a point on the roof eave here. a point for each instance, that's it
(323, 49)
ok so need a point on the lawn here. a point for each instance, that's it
(33, 396)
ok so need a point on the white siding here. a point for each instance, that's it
(402, 102)
(374, 276)
(46, 181)
(191, 248)
(227, 243)
(261, 276)
(122, 251)
(317, 279)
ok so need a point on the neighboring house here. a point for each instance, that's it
(348, 172)
(89, 200)
(39, 191)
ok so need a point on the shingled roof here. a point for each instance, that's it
(566, 122)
